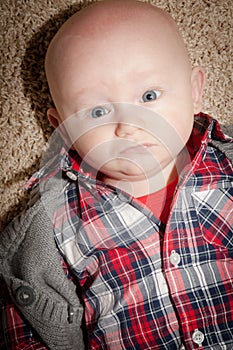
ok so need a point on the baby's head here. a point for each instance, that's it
(123, 87)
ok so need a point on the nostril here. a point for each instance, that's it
(125, 129)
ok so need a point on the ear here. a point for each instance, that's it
(197, 84)
(56, 121)
(53, 117)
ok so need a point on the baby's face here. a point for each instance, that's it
(126, 98)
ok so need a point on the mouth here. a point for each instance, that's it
(138, 149)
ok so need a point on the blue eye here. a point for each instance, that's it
(98, 112)
(150, 95)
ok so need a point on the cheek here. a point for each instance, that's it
(82, 146)
(93, 143)
(85, 144)
(183, 128)
(179, 117)
(184, 125)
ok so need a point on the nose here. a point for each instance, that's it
(125, 129)
(129, 118)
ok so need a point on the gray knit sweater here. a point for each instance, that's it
(30, 266)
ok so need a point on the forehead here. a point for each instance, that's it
(119, 57)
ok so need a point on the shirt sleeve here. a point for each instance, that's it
(15, 332)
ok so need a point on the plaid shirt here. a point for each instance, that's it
(145, 286)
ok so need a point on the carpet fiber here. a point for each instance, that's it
(27, 27)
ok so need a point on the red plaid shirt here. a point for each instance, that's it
(144, 286)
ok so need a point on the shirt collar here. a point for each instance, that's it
(67, 162)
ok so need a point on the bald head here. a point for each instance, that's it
(106, 62)
(104, 16)
(112, 23)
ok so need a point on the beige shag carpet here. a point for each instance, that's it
(27, 27)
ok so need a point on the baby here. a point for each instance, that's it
(127, 243)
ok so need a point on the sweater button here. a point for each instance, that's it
(25, 296)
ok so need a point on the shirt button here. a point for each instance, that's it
(175, 258)
(71, 176)
(198, 337)
(25, 296)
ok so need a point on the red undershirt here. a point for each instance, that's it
(160, 202)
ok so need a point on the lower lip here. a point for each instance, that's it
(137, 150)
